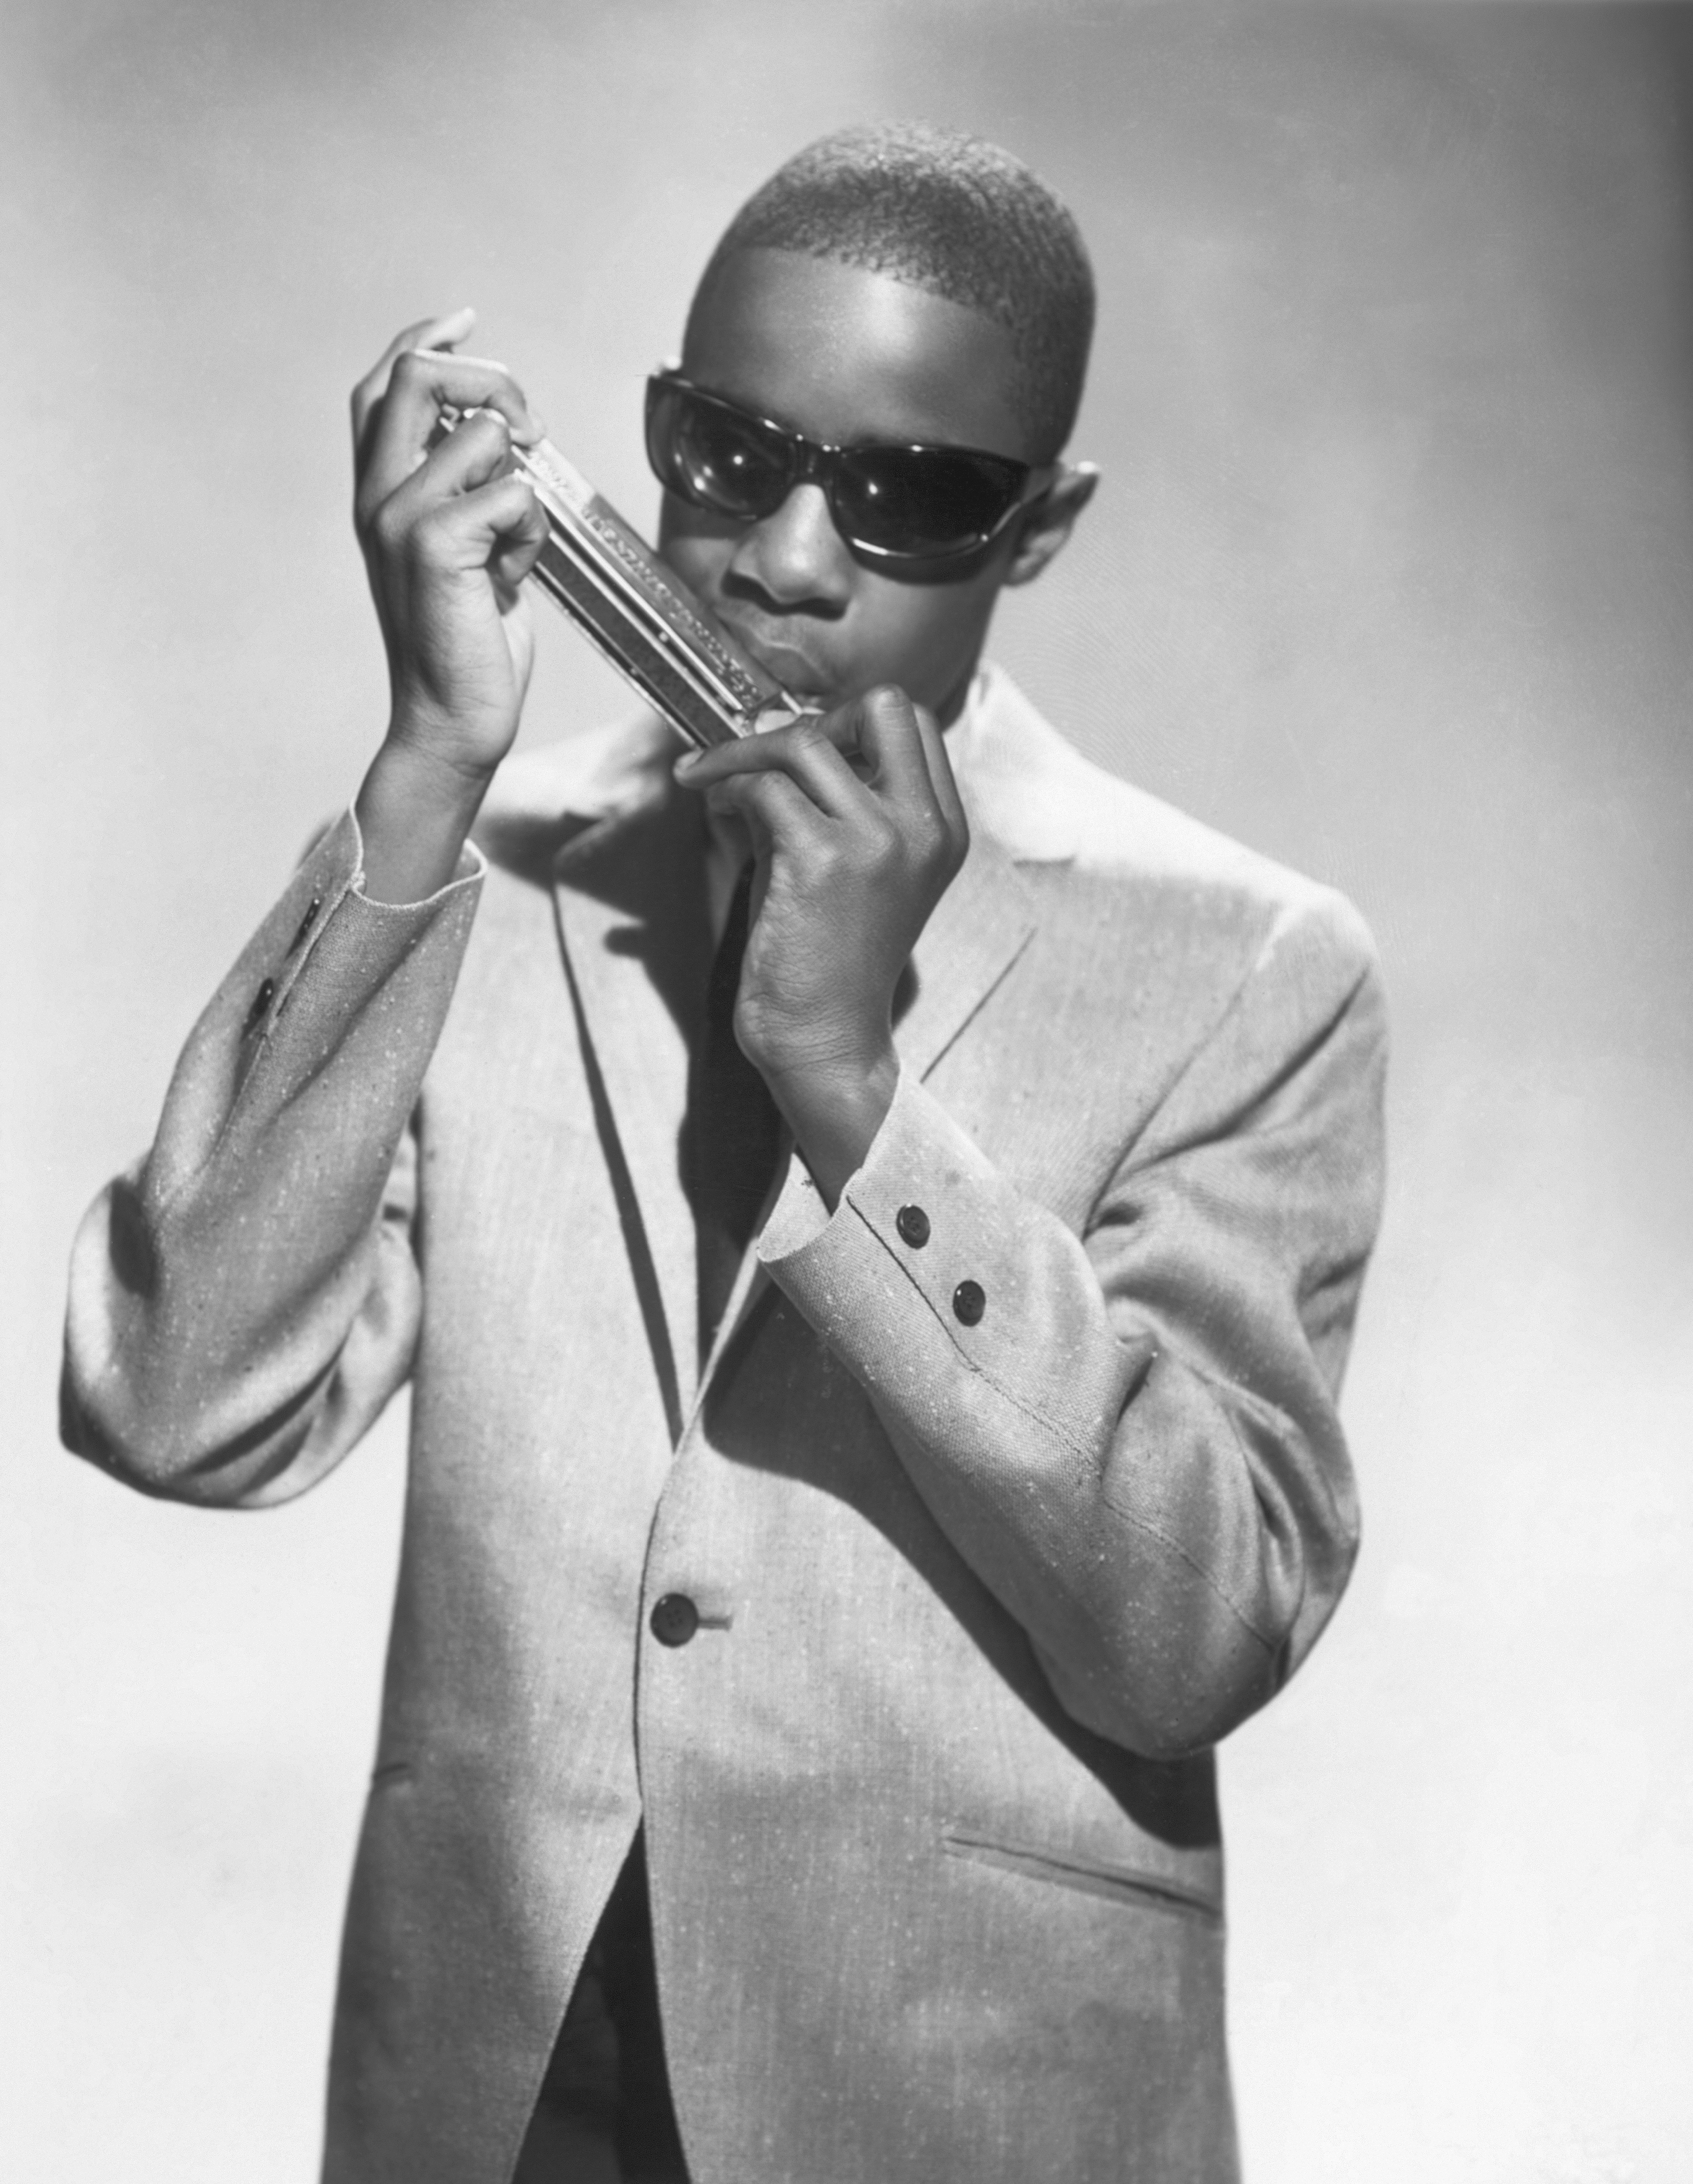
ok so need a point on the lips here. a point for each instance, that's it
(775, 646)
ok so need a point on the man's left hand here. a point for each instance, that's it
(857, 831)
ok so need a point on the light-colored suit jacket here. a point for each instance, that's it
(928, 1795)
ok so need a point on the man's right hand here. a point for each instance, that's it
(448, 537)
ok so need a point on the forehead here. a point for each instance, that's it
(844, 355)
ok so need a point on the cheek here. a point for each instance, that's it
(932, 627)
(698, 555)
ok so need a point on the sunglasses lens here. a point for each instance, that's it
(918, 502)
(714, 457)
(895, 504)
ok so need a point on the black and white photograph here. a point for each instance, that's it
(848, 1092)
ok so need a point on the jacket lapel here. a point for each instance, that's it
(630, 903)
(1008, 766)
(978, 930)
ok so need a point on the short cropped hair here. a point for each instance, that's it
(958, 217)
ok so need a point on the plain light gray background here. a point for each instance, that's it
(1390, 576)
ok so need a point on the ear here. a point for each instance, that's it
(1051, 520)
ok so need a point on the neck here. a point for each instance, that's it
(947, 712)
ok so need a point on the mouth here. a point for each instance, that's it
(780, 649)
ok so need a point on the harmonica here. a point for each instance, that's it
(640, 615)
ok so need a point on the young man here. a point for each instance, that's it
(873, 1420)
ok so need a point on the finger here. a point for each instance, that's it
(439, 334)
(420, 376)
(445, 331)
(909, 761)
(778, 812)
(889, 738)
(472, 453)
(499, 527)
(871, 734)
(516, 554)
(806, 753)
(465, 505)
(421, 383)
(841, 725)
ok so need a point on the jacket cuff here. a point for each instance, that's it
(327, 890)
(918, 1225)
(326, 962)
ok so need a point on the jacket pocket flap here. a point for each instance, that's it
(1123, 1884)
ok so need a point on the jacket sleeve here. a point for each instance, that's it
(245, 1299)
(1130, 1434)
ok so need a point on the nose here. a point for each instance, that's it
(795, 556)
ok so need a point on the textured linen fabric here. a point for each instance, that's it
(929, 1797)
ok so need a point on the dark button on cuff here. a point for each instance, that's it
(261, 1002)
(913, 1224)
(969, 1301)
(306, 923)
(674, 1619)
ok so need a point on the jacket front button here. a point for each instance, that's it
(969, 1301)
(913, 1224)
(674, 1619)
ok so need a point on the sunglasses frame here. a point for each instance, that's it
(817, 462)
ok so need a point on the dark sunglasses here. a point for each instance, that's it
(904, 506)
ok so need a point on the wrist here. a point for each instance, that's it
(415, 808)
(835, 1110)
(467, 738)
